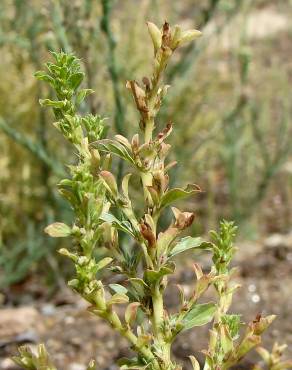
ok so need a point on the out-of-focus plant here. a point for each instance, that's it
(273, 360)
(104, 208)
(250, 147)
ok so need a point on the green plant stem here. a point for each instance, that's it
(114, 321)
(149, 127)
(157, 323)
(157, 301)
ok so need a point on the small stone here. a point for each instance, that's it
(69, 320)
(76, 366)
(48, 309)
(7, 364)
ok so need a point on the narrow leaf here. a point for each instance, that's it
(114, 147)
(120, 225)
(103, 263)
(117, 288)
(177, 194)
(195, 363)
(189, 243)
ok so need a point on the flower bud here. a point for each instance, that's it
(166, 35)
(182, 219)
(262, 323)
(155, 35)
(148, 234)
(95, 158)
(176, 37)
(189, 36)
(110, 181)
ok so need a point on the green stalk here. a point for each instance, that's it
(149, 127)
(114, 321)
(157, 323)
(157, 301)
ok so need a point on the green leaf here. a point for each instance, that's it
(103, 263)
(52, 103)
(118, 299)
(91, 365)
(152, 277)
(199, 315)
(117, 288)
(139, 287)
(43, 76)
(58, 230)
(189, 243)
(233, 324)
(130, 364)
(82, 94)
(177, 194)
(120, 225)
(75, 80)
(112, 146)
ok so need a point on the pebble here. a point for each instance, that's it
(76, 366)
(7, 364)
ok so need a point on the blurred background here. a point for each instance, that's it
(231, 105)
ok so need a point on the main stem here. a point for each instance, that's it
(149, 127)
(114, 321)
(157, 314)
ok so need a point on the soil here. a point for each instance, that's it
(73, 336)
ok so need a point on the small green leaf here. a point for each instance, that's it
(118, 299)
(155, 34)
(103, 263)
(117, 288)
(130, 364)
(82, 94)
(199, 315)
(110, 182)
(138, 286)
(120, 225)
(52, 103)
(189, 243)
(75, 80)
(188, 36)
(152, 277)
(42, 76)
(125, 185)
(225, 339)
(233, 324)
(58, 230)
(115, 147)
(91, 365)
(177, 194)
